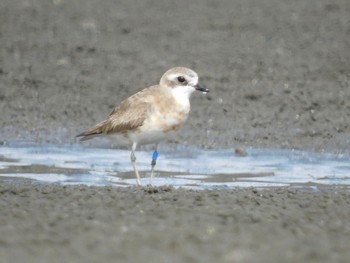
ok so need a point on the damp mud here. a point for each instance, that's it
(278, 77)
(278, 74)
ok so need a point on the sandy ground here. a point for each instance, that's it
(279, 78)
(47, 223)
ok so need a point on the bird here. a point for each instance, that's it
(150, 115)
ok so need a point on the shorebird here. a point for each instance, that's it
(151, 114)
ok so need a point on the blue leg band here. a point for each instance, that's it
(155, 156)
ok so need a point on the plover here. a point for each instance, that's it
(151, 114)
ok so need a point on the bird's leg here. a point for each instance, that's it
(153, 163)
(133, 162)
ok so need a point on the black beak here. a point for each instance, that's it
(202, 88)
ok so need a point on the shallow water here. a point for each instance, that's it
(183, 167)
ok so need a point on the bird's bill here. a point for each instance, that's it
(202, 88)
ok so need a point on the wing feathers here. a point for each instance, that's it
(123, 119)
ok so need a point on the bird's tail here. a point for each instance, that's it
(87, 135)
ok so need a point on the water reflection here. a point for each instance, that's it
(190, 167)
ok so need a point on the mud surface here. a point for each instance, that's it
(279, 78)
(102, 224)
(278, 71)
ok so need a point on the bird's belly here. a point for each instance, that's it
(158, 127)
(148, 137)
(153, 130)
(165, 122)
(138, 136)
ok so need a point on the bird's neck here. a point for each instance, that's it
(182, 95)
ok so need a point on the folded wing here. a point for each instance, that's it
(127, 117)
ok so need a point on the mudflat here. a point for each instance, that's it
(41, 223)
(278, 72)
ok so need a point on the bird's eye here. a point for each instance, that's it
(181, 79)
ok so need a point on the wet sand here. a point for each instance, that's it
(279, 78)
(41, 223)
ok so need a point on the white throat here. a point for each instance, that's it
(182, 94)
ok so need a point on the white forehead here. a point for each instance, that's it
(191, 77)
(173, 73)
